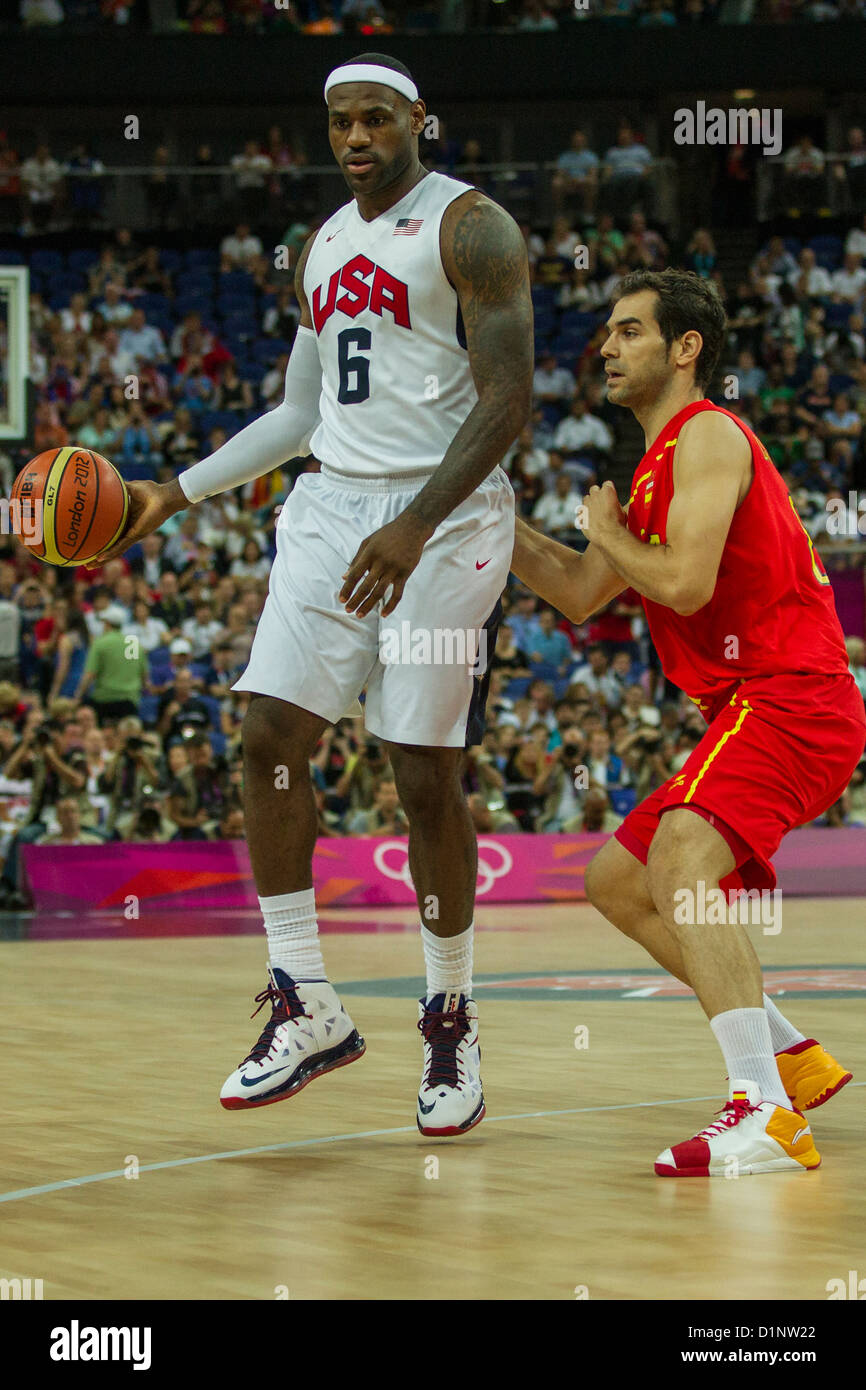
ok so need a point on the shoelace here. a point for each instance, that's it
(285, 1008)
(731, 1114)
(444, 1032)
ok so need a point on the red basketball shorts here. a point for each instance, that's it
(776, 756)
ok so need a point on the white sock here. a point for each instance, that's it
(449, 962)
(293, 934)
(744, 1037)
(783, 1033)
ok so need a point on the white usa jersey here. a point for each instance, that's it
(396, 384)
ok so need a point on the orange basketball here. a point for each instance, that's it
(79, 497)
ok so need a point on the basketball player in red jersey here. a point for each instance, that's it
(741, 613)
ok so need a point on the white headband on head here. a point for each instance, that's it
(372, 72)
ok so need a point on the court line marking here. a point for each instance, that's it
(20, 1193)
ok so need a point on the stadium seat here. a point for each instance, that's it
(153, 303)
(837, 315)
(828, 251)
(148, 710)
(543, 671)
(235, 282)
(47, 262)
(8, 257)
(170, 260)
(194, 282)
(622, 799)
(82, 260)
(197, 303)
(518, 687)
(202, 258)
(217, 742)
(236, 303)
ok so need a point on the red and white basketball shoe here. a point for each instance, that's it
(308, 1033)
(450, 1100)
(751, 1136)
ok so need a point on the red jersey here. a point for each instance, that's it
(772, 610)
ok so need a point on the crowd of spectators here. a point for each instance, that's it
(117, 718)
(372, 17)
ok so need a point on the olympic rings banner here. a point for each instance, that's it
(364, 872)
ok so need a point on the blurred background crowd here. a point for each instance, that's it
(117, 718)
(329, 17)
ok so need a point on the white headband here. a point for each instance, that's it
(372, 72)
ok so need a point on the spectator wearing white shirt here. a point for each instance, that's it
(525, 457)
(201, 631)
(555, 512)
(150, 630)
(842, 422)
(77, 318)
(142, 339)
(576, 174)
(551, 383)
(252, 170)
(113, 307)
(855, 241)
(41, 178)
(849, 280)
(810, 279)
(241, 247)
(251, 564)
(804, 186)
(582, 433)
(625, 169)
(272, 387)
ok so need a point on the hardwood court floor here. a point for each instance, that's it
(115, 1052)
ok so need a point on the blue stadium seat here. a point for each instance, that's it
(192, 303)
(217, 742)
(148, 708)
(545, 323)
(189, 281)
(235, 282)
(236, 303)
(160, 656)
(82, 260)
(828, 251)
(837, 315)
(544, 295)
(47, 262)
(622, 799)
(202, 257)
(138, 472)
(170, 260)
(153, 303)
(213, 707)
(8, 257)
(518, 686)
(543, 671)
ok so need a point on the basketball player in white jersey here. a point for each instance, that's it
(410, 376)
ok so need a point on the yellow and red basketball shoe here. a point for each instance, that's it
(751, 1136)
(810, 1075)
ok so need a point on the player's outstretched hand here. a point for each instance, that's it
(386, 558)
(150, 504)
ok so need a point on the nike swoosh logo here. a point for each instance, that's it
(333, 234)
(481, 566)
(254, 1080)
(425, 1109)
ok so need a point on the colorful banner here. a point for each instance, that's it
(363, 872)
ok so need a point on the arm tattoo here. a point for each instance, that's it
(485, 258)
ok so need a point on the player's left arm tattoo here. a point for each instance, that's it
(484, 256)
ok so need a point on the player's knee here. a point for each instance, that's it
(427, 788)
(272, 732)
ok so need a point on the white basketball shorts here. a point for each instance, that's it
(425, 666)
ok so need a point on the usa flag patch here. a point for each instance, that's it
(408, 226)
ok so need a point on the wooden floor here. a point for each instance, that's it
(115, 1052)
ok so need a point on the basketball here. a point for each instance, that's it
(84, 504)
